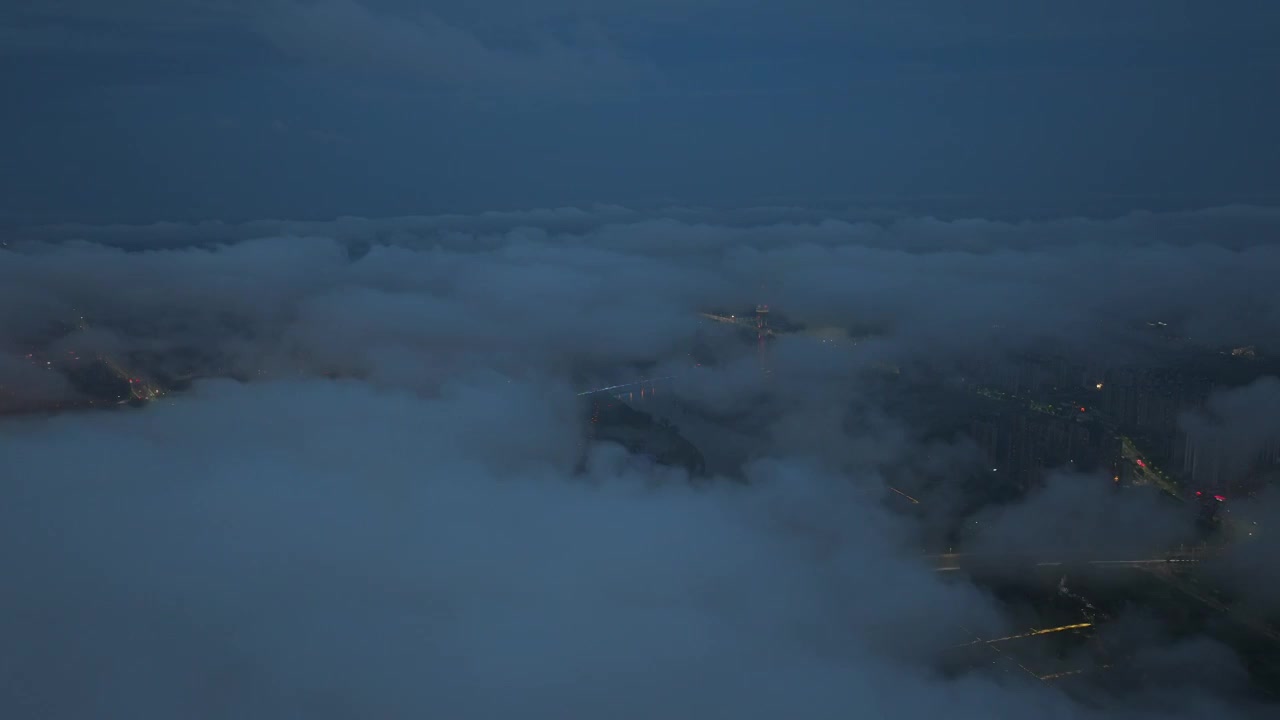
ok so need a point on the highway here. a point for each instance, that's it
(1001, 653)
(1144, 472)
(139, 388)
(953, 562)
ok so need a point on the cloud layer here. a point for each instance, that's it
(415, 537)
(617, 286)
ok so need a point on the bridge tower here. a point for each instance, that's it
(762, 335)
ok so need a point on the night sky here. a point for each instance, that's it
(221, 109)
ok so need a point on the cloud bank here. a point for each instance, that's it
(416, 536)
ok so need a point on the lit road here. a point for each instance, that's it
(629, 387)
(952, 562)
(1187, 587)
(139, 388)
(1144, 471)
(748, 323)
(1033, 633)
(1007, 655)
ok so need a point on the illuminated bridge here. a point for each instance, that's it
(757, 323)
(952, 562)
(642, 387)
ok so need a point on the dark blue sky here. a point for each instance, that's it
(185, 109)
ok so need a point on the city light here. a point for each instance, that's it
(1033, 633)
(1099, 386)
(913, 500)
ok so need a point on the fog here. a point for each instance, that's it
(420, 535)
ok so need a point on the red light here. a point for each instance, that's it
(1198, 493)
(1140, 463)
(1219, 498)
(1081, 408)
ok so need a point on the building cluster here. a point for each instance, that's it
(1021, 445)
(1046, 413)
(1219, 466)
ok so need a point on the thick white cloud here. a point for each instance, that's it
(1076, 517)
(615, 286)
(272, 548)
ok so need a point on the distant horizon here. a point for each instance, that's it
(941, 207)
